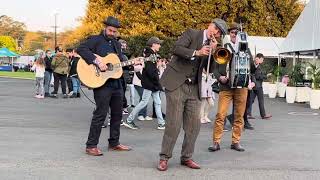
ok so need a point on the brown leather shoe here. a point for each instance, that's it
(120, 147)
(268, 116)
(190, 163)
(237, 147)
(214, 147)
(163, 165)
(94, 151)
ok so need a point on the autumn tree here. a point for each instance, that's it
(169, 18)
(32, 42)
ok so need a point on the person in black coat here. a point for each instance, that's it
(73, 75)
(108, 95)
(257, 90)
(47, 73)
(151, 84)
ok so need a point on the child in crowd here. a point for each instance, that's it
(39, 68)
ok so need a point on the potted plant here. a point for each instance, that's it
(294, 77)
(273, 79)
(280, 85)
(315, 92)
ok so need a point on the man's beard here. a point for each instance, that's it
(110, 37)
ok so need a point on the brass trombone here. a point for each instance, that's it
(221, 56)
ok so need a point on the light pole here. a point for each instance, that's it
(55, 29)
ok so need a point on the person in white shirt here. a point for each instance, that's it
(39, 69)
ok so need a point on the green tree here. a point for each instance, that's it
(8, 42)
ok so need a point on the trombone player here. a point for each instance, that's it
(182, 82)
(227, 94)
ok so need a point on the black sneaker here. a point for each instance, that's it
(65, 96)
(53, 95)
(248, 127)
(130, 125)
(74, 95)
(78, 95)
(226, 128)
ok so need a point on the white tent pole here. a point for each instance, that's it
(314, 56)
(294, 60)
(279, 59)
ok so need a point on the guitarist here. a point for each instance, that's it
(108, 95)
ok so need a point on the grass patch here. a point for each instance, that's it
(24, 75)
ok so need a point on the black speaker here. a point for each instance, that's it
(283, 63)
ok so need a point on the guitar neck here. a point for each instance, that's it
(131, 62)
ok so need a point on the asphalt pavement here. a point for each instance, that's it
(45, 139)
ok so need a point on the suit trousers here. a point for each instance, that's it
(106, 97)
(257, 92)
(183, 109)
(239, 97)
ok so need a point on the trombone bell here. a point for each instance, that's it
(222, 55)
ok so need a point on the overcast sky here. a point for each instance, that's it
(39, 14)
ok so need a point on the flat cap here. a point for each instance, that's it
(221, 24)
(154, 40)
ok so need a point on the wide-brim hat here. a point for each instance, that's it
(112, 21)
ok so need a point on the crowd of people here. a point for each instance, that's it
(63, 68)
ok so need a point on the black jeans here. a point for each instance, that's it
(70, 85)
(62, 78)
(253, 93)
(106, 97)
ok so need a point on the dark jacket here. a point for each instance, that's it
(150, 73)
(183, 63)
(102, 46)
(73, 66)
(48, 61)
(220, 70)
(259, 76)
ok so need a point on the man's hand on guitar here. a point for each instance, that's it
(102, 66)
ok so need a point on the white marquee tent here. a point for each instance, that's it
(305, 34)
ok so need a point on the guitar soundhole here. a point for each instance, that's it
(110, 67)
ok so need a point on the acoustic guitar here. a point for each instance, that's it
(91, 76)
